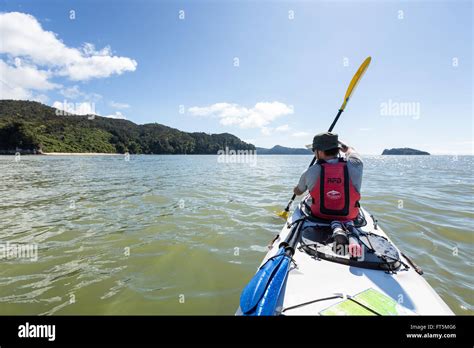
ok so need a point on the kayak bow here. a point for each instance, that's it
(382, 282)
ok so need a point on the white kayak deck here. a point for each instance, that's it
(315, 279)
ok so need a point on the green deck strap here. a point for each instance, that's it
(371, 298)
(346, 307)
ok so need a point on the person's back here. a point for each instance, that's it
(334, 183)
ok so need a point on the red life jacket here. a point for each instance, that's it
(334, 195)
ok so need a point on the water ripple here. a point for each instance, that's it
(183, 234)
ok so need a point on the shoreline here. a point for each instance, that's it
(80, 154)
(202, 154)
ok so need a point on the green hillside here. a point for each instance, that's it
(31, 126)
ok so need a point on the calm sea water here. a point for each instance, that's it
(184, 234)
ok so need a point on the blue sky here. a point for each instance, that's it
(139, 60)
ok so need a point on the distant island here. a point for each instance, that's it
(33, 128)
(281, 150)
(403, 151)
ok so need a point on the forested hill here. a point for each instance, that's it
(30, 126)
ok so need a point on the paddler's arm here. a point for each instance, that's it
(355, 164)
(302, 186)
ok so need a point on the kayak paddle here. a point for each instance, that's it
(262, 295)
(354, 82)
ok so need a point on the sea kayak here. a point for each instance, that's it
(323, 280)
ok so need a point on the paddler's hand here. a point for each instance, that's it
(344, 147)
(297, 191)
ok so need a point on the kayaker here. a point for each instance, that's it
(333, 182)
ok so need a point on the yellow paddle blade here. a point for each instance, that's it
(355, 81)
(283, 214)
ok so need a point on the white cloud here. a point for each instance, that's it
(266, 131)
(35, 56)
(93, 97)
(72, 92)
(41, 98)
(258, 116)
(117, 115)
(89, 50)
(9, 92)
(23, 36)
(19, 81)
(25, 76)
(97, 67)
(282, 128)
(119, 105)
(75, 93)
(300, 134)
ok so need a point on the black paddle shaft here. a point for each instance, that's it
(292, 238)
(335, 120)
(290, 249)
(314, 158)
